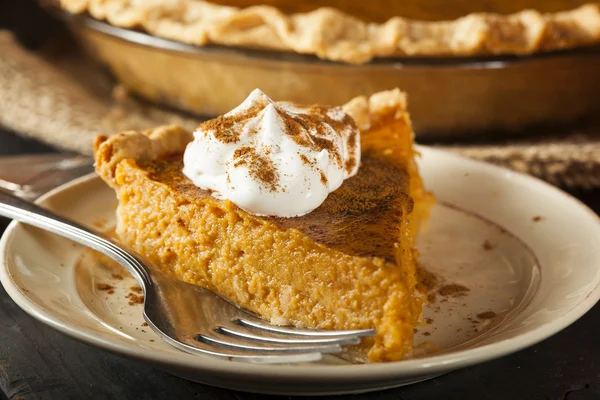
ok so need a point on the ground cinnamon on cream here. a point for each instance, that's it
(274, 158)
(223, 127)
(259, 166)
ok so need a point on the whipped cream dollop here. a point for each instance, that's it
(274, 158)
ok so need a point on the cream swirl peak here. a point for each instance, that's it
(274, 158)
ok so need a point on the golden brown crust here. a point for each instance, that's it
(331, 34)
(368, 111)
(148, 145)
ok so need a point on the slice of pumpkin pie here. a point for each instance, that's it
(305, 215)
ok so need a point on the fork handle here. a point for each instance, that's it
(31, 214)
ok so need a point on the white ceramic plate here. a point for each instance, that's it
(528, 253)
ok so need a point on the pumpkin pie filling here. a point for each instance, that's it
(349, 264)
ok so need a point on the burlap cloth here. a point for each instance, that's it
(61, 98)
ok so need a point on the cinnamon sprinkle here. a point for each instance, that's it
(136, 289)
(351, 162)
(224, 126)
(134, 299)
(259, 166)
(324, 180)
(305, 160)
(453, 290)
(486, 315)
(488, 246)
(315, 121)
(314, 128)
(427, 281)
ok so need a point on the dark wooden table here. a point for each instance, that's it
(37, 362)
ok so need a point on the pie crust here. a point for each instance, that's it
(334, 35)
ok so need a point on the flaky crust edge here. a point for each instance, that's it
(333, 35)
(139, 146)
(160, 142)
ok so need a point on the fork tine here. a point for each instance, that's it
(241, 346)
(260, 325)
(247, 335)
(232, 355)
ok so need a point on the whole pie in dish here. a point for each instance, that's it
(357, 31)
(349, 264)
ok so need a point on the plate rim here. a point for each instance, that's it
(363, 372)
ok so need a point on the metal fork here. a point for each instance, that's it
(29, 176)
(189, 317)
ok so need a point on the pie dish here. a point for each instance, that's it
(353, 32)
(348, 264)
